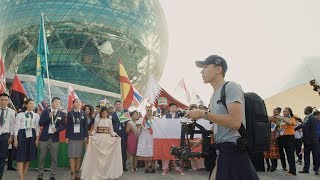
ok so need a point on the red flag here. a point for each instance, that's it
(18, 94)
(183, 86)
(2, 76)
(71, 97)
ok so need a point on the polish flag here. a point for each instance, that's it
(71, 97)
(2, 76)
(167, 132)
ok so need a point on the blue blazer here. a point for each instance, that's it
(70, 126)
(119, 128)
(309, 128)
(45, 121)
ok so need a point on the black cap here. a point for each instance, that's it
(213, 59)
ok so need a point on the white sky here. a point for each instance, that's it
(263, 42)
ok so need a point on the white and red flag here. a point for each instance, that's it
(167, 132)
(71, 97)
(182, 85)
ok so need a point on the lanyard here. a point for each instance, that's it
(27, 118)
(55, 119)
(76, 120)
(5, 117)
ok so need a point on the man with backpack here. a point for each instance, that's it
(227, 113)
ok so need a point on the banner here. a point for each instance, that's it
(162, 101)
(167, 132)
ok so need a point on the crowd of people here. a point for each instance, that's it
(295, 137)
(99, 144)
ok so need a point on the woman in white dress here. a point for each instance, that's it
(103, 159)
(145, 142)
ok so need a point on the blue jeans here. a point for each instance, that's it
(3, 151)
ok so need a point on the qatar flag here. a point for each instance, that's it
(71, 97)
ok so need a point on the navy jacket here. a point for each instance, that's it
(309, 129)
(119, 128)
(45, 121)
(70, 125)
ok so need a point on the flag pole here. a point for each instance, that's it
(47, 67)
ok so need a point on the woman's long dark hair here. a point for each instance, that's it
(290, 111)
(90, 108)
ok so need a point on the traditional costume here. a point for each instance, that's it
(145, 142)
(102, 159)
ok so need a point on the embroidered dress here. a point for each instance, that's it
(145, 142)
(103, 158)
(273, 153)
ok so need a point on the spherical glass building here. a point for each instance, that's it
(86, 38)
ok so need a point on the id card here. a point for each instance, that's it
(50, 129)
(76, 128)
(28, 133)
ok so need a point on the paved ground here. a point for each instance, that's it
(64, 174)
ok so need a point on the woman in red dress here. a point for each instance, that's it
(132, 142)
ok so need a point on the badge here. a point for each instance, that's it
(50, 129)
(76, 128)
(28, 133)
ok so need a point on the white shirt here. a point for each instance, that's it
(9, 119)
(298, 134)
(22, 122)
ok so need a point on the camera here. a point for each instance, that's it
(184, 151)
(181, 113)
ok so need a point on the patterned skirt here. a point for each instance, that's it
(273, 153)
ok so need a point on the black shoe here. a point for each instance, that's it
(39, 178)
(273, 169)
(11, 169)
(153, 171)
(303, 171)
(285, 169)
(125, 169)
(52, 178)
(316, 172)
(147, 171)
(268, 168)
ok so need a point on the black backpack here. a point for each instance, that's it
(257, 134)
